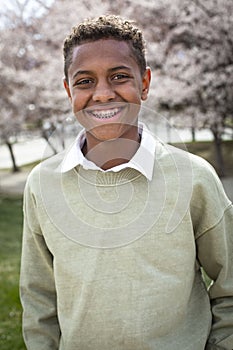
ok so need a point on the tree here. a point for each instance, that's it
(10, 85)
(31, 57)
(190, 48)
(198, 54)
(18, 56)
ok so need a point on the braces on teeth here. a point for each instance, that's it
(106, 115)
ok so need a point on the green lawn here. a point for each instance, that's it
(10, 248)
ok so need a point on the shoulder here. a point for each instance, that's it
(179, 159)
(196, 184)
(191, 172)
(47, 168)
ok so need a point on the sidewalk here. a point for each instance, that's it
(13, 183)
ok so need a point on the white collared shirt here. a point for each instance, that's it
(143, 159)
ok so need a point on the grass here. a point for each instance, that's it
(10, 247)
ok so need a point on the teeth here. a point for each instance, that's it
(105, 114)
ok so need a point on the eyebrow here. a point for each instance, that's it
(87, 72)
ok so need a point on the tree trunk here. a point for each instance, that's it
(219, 155)
(44, 135)
(15, 168)
(193, 131)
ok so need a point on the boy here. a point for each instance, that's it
(113, 246)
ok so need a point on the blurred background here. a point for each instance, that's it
(190, 52)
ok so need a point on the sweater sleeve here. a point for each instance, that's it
(213, 213)
(37, 288)
(215, 253)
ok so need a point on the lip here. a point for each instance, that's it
(105, 113)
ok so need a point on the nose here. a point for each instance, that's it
(103, 92)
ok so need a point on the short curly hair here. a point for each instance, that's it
(105, 27)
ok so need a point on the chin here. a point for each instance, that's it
(108, 132)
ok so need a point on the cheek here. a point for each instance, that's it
(133, 94)
(79, 101)
(76, 104)
(79, 115)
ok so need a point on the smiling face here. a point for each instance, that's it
(106, 88)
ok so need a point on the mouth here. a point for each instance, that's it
(105, 114)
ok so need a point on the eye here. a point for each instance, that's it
(83, 82)
(120, 76)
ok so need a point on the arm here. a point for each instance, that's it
(37, 288)
(212, 215)
(215, 253)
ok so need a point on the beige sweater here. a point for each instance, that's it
(112, 261)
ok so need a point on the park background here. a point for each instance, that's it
(190, 51)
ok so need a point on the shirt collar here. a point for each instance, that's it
(143, 160)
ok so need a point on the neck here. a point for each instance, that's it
(110, 153)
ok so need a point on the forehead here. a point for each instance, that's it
(104, 52)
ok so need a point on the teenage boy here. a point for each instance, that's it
(117, 228)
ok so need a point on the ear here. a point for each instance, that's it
(67, 88)
(146, 83)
